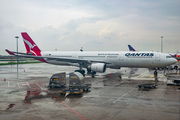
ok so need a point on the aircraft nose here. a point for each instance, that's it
(172, 61)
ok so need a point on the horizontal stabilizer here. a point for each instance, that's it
(11, 53)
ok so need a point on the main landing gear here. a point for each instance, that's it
(88, 72)
(120, 77)
(83, 71)
(91, 72)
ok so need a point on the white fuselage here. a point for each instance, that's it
(115, 59)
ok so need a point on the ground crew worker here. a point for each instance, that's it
(155, 73)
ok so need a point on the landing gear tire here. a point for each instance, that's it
(120, 77)
(176, 68)
(93, 73)
(89, 71)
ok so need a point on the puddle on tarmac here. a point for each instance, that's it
(10, 106)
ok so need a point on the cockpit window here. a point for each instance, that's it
(168, 57)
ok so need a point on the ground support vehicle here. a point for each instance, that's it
(76, 84)
(57, 80)
(147, 86)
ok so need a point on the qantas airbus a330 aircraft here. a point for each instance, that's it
(95, 61)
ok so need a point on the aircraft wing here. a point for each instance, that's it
(72, 60)
(100, 61)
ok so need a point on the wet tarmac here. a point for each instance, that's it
(25, 96)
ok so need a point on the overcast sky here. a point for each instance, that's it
(95, 25)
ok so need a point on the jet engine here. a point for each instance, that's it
(98, 67)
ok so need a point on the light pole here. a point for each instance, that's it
(161, 44)
(17, 54)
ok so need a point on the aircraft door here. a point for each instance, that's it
(121, 57)
(74, 55)
(120, 60)
(157, 58)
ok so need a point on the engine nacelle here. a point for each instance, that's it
(98, 67)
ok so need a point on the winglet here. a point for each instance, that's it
(131, 48)
(11, 53)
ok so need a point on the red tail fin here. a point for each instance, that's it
(30, 45)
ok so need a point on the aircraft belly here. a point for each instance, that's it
(146, 63)
(134, 62)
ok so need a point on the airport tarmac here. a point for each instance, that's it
(25, 96)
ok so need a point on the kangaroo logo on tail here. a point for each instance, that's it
(30, 45)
